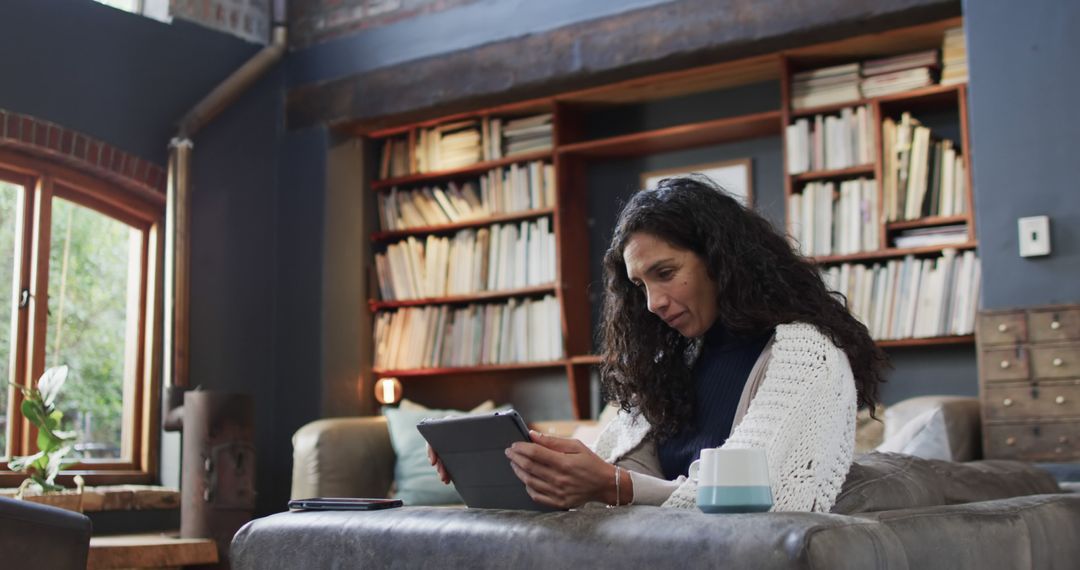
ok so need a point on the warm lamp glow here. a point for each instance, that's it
(387, 390)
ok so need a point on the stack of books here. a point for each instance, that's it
(823, 221)
(426, 207)
(524, 135)
(912, 298)
(899, 73)
(519, 187)
(939, 235)
(514, 188)
(449, 146)
(438, 336)
(828, 142)
(954, 57)
(497, 258)
(825, 86)
(922, 176)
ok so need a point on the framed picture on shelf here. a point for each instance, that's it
(731, 175)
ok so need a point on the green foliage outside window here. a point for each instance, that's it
(9, 198)
(88, 280)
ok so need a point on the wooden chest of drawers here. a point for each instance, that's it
(1029, 383)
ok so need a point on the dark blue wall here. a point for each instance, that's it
(234, 268)
(1023, 60)
(296, 360)
(116, 76)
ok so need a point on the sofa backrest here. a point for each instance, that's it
(887, 481)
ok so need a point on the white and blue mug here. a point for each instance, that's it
(732, 481)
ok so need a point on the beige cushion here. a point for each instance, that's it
(934, 427)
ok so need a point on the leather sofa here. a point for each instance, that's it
(39, 536)
(895, 512)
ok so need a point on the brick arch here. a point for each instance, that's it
(43, 139)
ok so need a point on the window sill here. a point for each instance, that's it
(109, 497)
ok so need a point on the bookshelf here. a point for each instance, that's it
(574, 151)
(869, 219)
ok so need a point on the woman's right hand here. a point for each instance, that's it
(434, 459)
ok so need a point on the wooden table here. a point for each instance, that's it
(154, 550)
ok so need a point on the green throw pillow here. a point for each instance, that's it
(417, 481)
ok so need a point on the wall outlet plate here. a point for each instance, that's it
(1034, 236)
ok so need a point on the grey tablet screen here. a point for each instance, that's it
(473, 450)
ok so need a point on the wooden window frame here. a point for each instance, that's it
(142, 210)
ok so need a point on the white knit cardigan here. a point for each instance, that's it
(803, 415)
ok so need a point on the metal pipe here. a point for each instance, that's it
(234, 85)
(177, 216)
(177, 262)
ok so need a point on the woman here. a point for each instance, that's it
(715, 334)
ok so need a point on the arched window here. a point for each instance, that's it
(80, 267)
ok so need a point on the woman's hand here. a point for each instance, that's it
(434, 459)
(561, 472)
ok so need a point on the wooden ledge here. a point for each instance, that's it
(110, 498)
(149, 551)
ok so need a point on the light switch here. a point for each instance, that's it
(1034, 236)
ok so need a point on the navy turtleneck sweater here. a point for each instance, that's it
(720, 375)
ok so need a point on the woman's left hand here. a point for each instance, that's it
(561, 472)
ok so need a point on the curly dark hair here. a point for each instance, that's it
(762, 282)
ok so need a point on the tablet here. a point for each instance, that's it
(343, 504)
(473, 450)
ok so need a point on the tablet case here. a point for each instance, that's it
(473, 450)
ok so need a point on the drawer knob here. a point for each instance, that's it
(1055, 325)
(1063, 439)
(1003, 327)
(1059, 400)
(1057, 362)
(1058, 450)
(1010, 440)
(1005, 364)
(1007, 402)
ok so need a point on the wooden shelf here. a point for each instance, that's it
(892, 253)
(679, 83)
(932, 341)
(593, 359)
(933, 95)
(472, 169)
(447, 228)
(827, 109)
(586, 359)
(386, 127)
(418, 372)
(927, 222)
(679, 137)
(150, 550)
(850, 172)
(376, 305)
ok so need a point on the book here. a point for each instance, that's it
(954, 57)
(880, 66)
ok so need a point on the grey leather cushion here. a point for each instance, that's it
(887, 481)
(634, 537)
(1034, 532)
